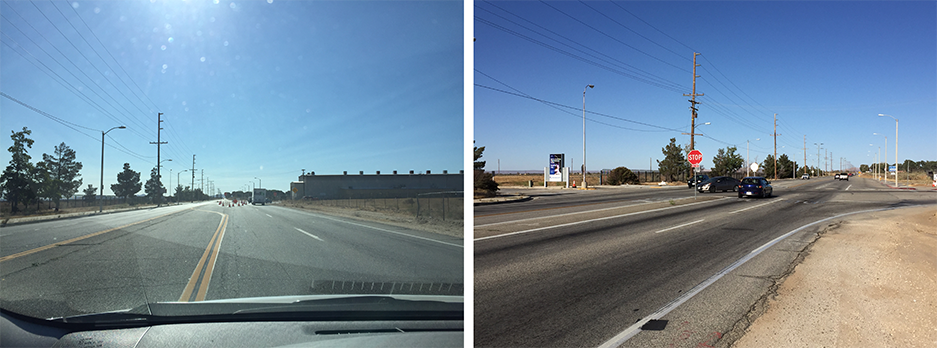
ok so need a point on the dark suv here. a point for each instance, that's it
(696, 179)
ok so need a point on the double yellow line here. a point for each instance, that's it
(201, 277)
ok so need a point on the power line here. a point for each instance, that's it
(635, 32)
(621, 64)
(653, 83)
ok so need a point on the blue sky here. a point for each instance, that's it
(251, 88)
(826, 68)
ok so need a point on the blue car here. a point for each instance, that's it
(755, 186)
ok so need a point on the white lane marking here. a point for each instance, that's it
(268, 215)
(847, 187)
(385, 230)
(620, 338)
(576, 213)
(678, 226)
(593, 220)
(309, 234)
(756, 206)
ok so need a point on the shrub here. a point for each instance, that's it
(621, 176)
(485, 183)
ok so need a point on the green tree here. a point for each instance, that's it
(128, 183)
(863, 168)
(154, 187)
(768, 166)
(621, 176)
(17, 177)
(90, 194)
(785, 167)
(484, 182)
(726, 161)
(674, 163)
(63, 173)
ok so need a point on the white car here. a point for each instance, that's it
(805, 176)
(836, 177)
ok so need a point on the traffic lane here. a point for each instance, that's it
(272, 252)
(549, 199)
(125, 268)
(25, 237)
(596, 284)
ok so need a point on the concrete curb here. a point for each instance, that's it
(500, 200)
(33, 219)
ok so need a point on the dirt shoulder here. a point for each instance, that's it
(447, 227)
(872, 282)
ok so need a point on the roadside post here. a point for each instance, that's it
(695, 157)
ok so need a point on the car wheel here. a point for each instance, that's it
(712, 189)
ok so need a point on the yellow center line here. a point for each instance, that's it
(50, 246)
(210, 255)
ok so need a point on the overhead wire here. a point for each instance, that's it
(82, 71)
(621, 64)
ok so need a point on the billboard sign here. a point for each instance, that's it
(555, 169)
(891, 168)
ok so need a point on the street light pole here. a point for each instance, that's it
(584, 185)
(818, 158)
(261, 182)
(896, 146)
(101, 207)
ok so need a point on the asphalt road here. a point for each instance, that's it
(209, 251)
(581, 268)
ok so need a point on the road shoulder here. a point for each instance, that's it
(868, 282)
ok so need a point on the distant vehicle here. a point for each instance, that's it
(842, 176)
(719, 183)
(696, 180)
(836, 176)
(260, 196)
(755, 186)
(805, 177)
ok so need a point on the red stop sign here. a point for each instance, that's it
(695, 157)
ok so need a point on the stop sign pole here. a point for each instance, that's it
(695, 157)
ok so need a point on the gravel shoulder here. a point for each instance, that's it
(871, 282)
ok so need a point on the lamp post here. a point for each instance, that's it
(261, 182)
(747, 161)
(896, 146)
(101, 208)
(884, 170)
(179, 182)
(584, 134)
(159, 200)
(818, 157)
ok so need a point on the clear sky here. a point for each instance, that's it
(826, 68)
(251, 88)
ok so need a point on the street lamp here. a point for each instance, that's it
(101, 208)
(896, 146)
(261, 183)
(584, 134)
(818, 158)
(159, 200)
(885, 170)
(747, 161)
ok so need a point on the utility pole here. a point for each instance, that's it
(192, 185)
(201, 185)
(805, 154)
(159, 177)
(693, 103)
(775, 135)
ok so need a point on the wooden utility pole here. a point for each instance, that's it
(775, 135)
(805, 154)
(693, 103)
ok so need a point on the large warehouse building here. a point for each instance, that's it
(394, 185)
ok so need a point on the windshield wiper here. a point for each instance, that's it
(288, 308)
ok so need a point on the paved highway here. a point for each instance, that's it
(207, 251)
(590, 268)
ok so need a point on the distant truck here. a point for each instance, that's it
(260, 196)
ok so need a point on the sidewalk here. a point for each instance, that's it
(871, 282)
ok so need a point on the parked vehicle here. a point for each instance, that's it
(696, 180)
(719, 183)
(755, 186)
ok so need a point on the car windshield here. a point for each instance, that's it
(188, 151)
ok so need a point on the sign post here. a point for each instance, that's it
(695, 157)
